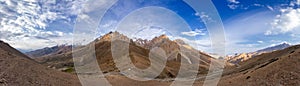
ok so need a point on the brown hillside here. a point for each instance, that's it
(278, 68)
(18, 70)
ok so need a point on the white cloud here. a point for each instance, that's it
(32, 43)
(149, 19)
(233, 1)
(193, 33)
(82, 8)
(205, 17)
(287, 21)
(260, 41)
(233, 4)
(30, 15)
(294, 3)
(270, 8)
(258, 5)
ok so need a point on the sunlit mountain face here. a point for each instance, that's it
(249, 25)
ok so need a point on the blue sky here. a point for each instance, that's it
(249, 24)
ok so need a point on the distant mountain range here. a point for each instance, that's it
(235, 59)
(58, 49)
(274, 48)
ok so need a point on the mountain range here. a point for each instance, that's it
(139, 51)
(273, 66)
(276, 68)
(274, 48)
(237, 58)
(59, 49)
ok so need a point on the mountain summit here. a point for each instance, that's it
(274, 48)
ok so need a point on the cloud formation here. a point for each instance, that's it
(143, 22)
(205, 17)
(260, 41)
(233, 4)
(24, 20)
(287, 21)
(193, 33)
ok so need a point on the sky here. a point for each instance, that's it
(249, 25)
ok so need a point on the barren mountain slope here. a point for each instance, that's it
(17, 69)
(236, 59)
(49, 51)
(278, 68)
(140, 56)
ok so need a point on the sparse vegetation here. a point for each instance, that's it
(69, 70)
